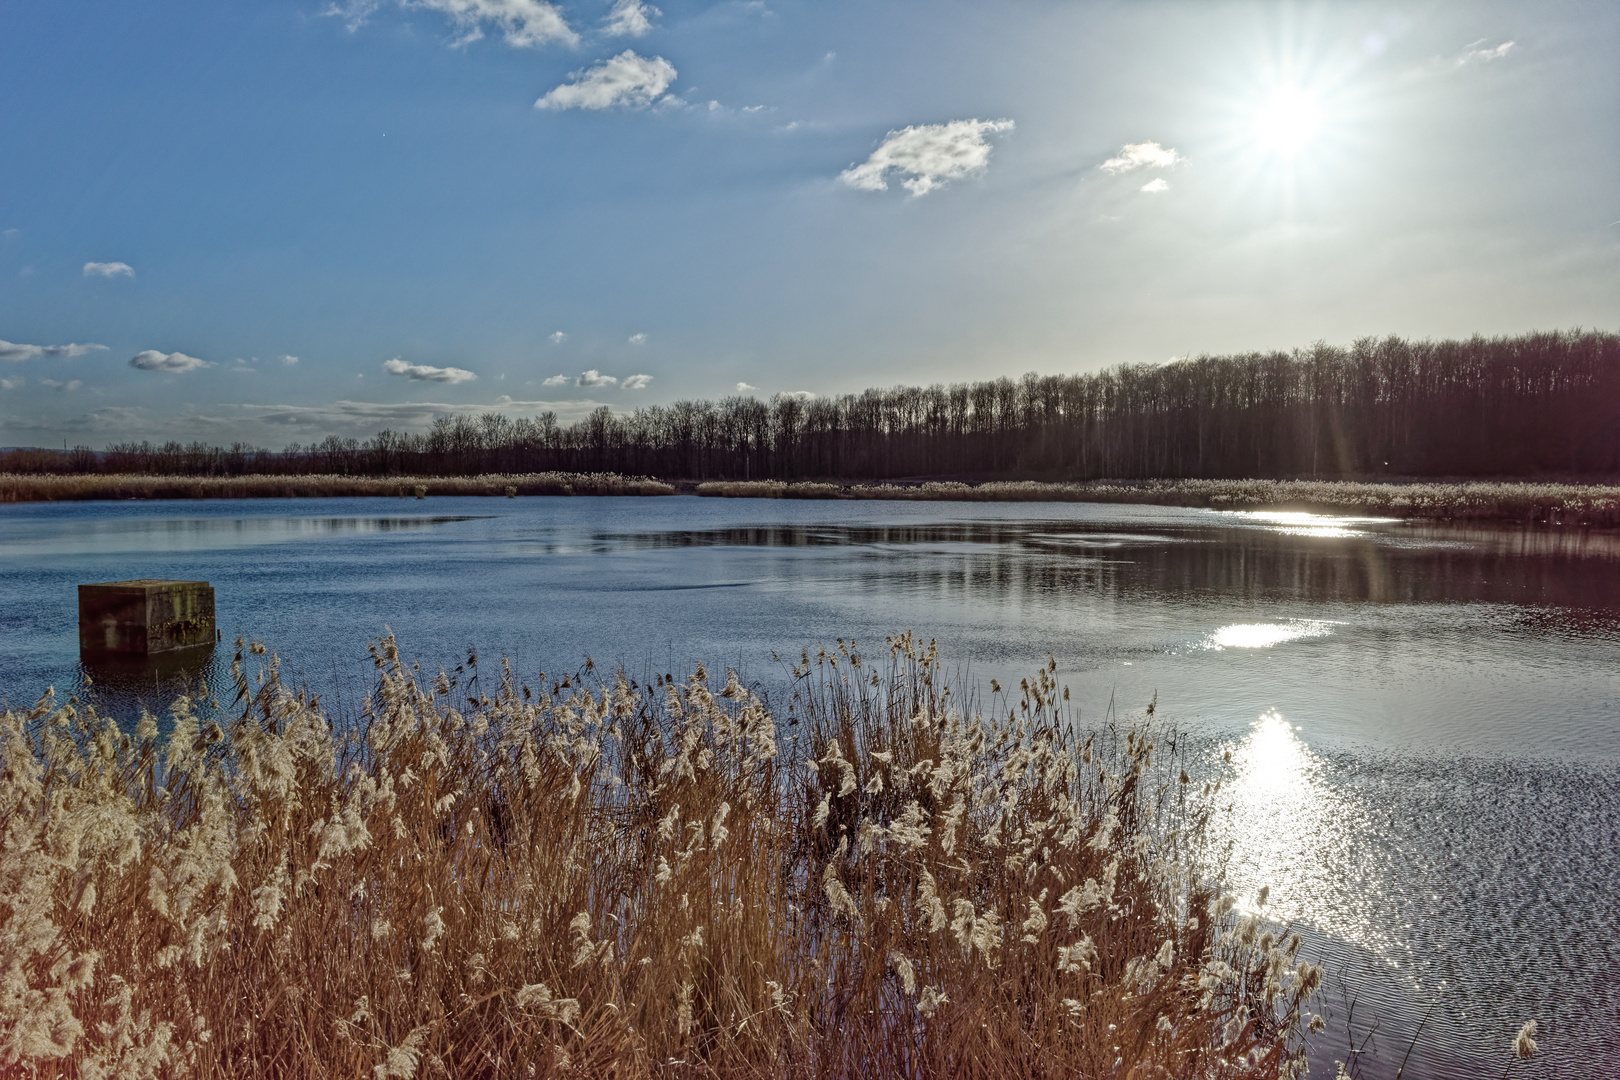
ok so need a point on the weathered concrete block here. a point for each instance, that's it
(146, 616)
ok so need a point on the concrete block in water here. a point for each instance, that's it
(146, 616)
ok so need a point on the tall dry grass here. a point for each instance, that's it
(589, 877)
(1565, 504)
(49, 487)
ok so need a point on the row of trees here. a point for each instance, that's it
(1509, 406)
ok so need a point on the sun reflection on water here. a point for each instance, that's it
(1300, 523)
(1265, 635)
(1286, 828)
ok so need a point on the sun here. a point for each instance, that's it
(1287, 122)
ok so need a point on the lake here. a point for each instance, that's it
(1423, 719)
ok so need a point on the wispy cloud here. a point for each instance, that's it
(637, 339)
(12, 384)
(367, 417)
(175, 363)
(798, 395)
(1142, 155)
(929, 155)
(18, 353)
(558, 337)
(624, 81)
(426, 373)
(558, 380)
(273, 424)
(629, 18)
(595, 378)
(108, 269)
(522, 23)
(744, 388)
(289, 359)
(1475, 54)
(637, 382)
(1156, 185)
(71, 384)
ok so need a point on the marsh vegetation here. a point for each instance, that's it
(51, 487)
(586, 876)
(1548, 503)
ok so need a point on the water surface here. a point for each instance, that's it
(1423, 720)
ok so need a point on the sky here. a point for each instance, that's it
(271, 222)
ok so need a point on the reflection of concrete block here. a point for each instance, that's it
(145, 616)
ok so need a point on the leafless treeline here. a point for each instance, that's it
(1525, 405)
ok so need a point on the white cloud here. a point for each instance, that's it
(71, 384)
(798, 395)
(108, 269)
(637, 339)
(175, 363)
(11, 384)
(1473, 54)
(289, 359)
(595, 378)
(1156, 185)
(521, 22)
(1140, 155)
(626, 80)
(744, 388)
(425, 373)
(929, 154)
(637, 382)
(18, 353)
(558, 380)
(558, 337)
(630, 18)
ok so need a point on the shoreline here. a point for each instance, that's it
(1472, 500)
(1529, 502)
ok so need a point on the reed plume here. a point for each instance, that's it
(590, 877)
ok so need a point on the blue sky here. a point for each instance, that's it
(416, 198)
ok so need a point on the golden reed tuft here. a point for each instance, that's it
(590, 877)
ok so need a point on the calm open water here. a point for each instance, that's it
(1424, 720)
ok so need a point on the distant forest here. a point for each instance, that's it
(1527, 405)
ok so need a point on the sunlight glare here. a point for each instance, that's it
(1286, 827)
(1287, 121)
(1265, 635)
(1299, 523)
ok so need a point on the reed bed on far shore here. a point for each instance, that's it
(589, 877)
(1523, 501)
(49, 487)
(1549, 503)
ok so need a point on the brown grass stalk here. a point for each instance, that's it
(589, 877)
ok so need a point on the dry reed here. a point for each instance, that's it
(595, 878)
(1552, 503)
(50, 487)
